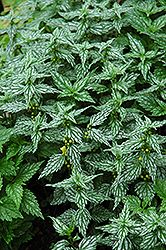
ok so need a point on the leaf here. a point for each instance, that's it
(97, 135)
(74, 155)
(133, 202)
(159, 23)
(54, 164)
(8, 210)
(7, 167)
(136, 45)
(100, 117)
(89, 243)
(83, 96)
(30, 205)
(1, 182)
(60, 245)
(82, 218)
(13, 107)
(58, 197)
(12, 150)
(162, 235)
(26, 172)
(160, 188)
(15, 192)
(4, 135)
(100, 214)
(163, 205)
(61, 82)
(60, 227)
(144, 190)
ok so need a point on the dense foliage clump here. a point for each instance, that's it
(83, 105)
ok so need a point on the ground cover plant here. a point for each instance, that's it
(82, 106)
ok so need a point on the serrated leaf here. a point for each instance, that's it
(13, 107)
(58, 197)
(136, 45)
(59, 226)
(89, 243)
(133, 202)
(29, 204)
(144, 190)
(12, 150)
(160, 188)
(97, 135)
(100, 214)
(100, 117)
(15, 192)
(74, 155)
(54, 164)
(163, 205)
(4, 135)
(7, 167)
(82, 218)
(27, 171)
(8, 210)
(60, 245)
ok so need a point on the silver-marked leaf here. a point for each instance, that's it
(97, 135)
(82, 218)
(89, 243)
(60, 245)
(144, 190)
(54, 164)
(59, 226)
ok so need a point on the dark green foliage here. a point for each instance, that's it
(82, 104)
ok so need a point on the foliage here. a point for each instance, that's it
(82, 104)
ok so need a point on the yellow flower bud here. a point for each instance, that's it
(64, 149)
(140, 158)
(147, 150)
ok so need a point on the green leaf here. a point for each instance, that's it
(30, 205)
(100, 214)
(4, 135)
(54, 164)
(133, 202)
(7, 167)
(15, 192)
(12, 150)
(1, 182)
(160, 188)
(8, 210)
(27, 171)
